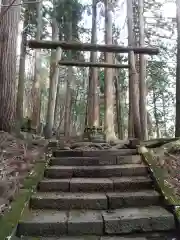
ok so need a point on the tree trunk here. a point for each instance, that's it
(118, 109)
(67, 117)
(36, 84)
(130, 43)
(93, 94)
(135, 99)
(150, 125)
(54, 75)
(142, 73)
(20, 93)
(133, 78)
(57, 107)
(108, 79)
(156, 116)
(177, 130)
(164, 114)
(61, 119)
(9, 32)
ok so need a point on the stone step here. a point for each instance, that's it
(133, 199)
(167, 235)
(84, 238)
(95, 184)
(144, 219)
(93, 201)
(94, 153)
(96, 171)
(67, 201)
(75, 223)
(90, 161)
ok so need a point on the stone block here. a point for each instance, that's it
(75, 161)
(85, 222)
(132, 183)
(101, 153)
(68, 201)
(131, 159)
(107, 160)
(110, 170)
(52, 185)
(91, 185)
(123, 238)
(131, 220)
(67, 153)
(43, 223)
(130, 199)
(59, 172)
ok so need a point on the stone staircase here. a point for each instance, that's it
(96, 195)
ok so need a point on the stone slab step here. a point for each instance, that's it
(95, 184)
(165, 235)
(85, 238)
(94, 153)
(133, 220)
(96, 171)
(132, 199)
(90, 161)
(67, 201)
(76, 223)
(93, 201)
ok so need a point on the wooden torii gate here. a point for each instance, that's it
(77, 46)
(73, 45)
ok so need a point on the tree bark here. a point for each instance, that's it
(61, 118)
(135, 97)
(133, 80)
(57, 107)
(156, 116)
(21, 82)
(67, 117)
(94, 71)
(164, 115)
(118, 109)
(8, 36)
(142, 73)
(108, 79)
(131, 43)
(36, 84)
(54, 76)
(177, 128)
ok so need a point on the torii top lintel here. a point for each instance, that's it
(78, 46)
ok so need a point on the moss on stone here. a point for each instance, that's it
(9, 221)
(35, 176)
(160, 176)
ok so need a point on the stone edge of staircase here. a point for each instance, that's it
(170, 200)
(9, 221)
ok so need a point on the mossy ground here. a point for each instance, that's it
(160, 176)
(9, 221)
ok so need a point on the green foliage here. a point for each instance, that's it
(160, 31)
(69, 11)
(161, 96)
(101, 80)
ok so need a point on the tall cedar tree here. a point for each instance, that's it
(9, 31)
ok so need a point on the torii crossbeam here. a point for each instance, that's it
(90, 47)
(90, 64)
